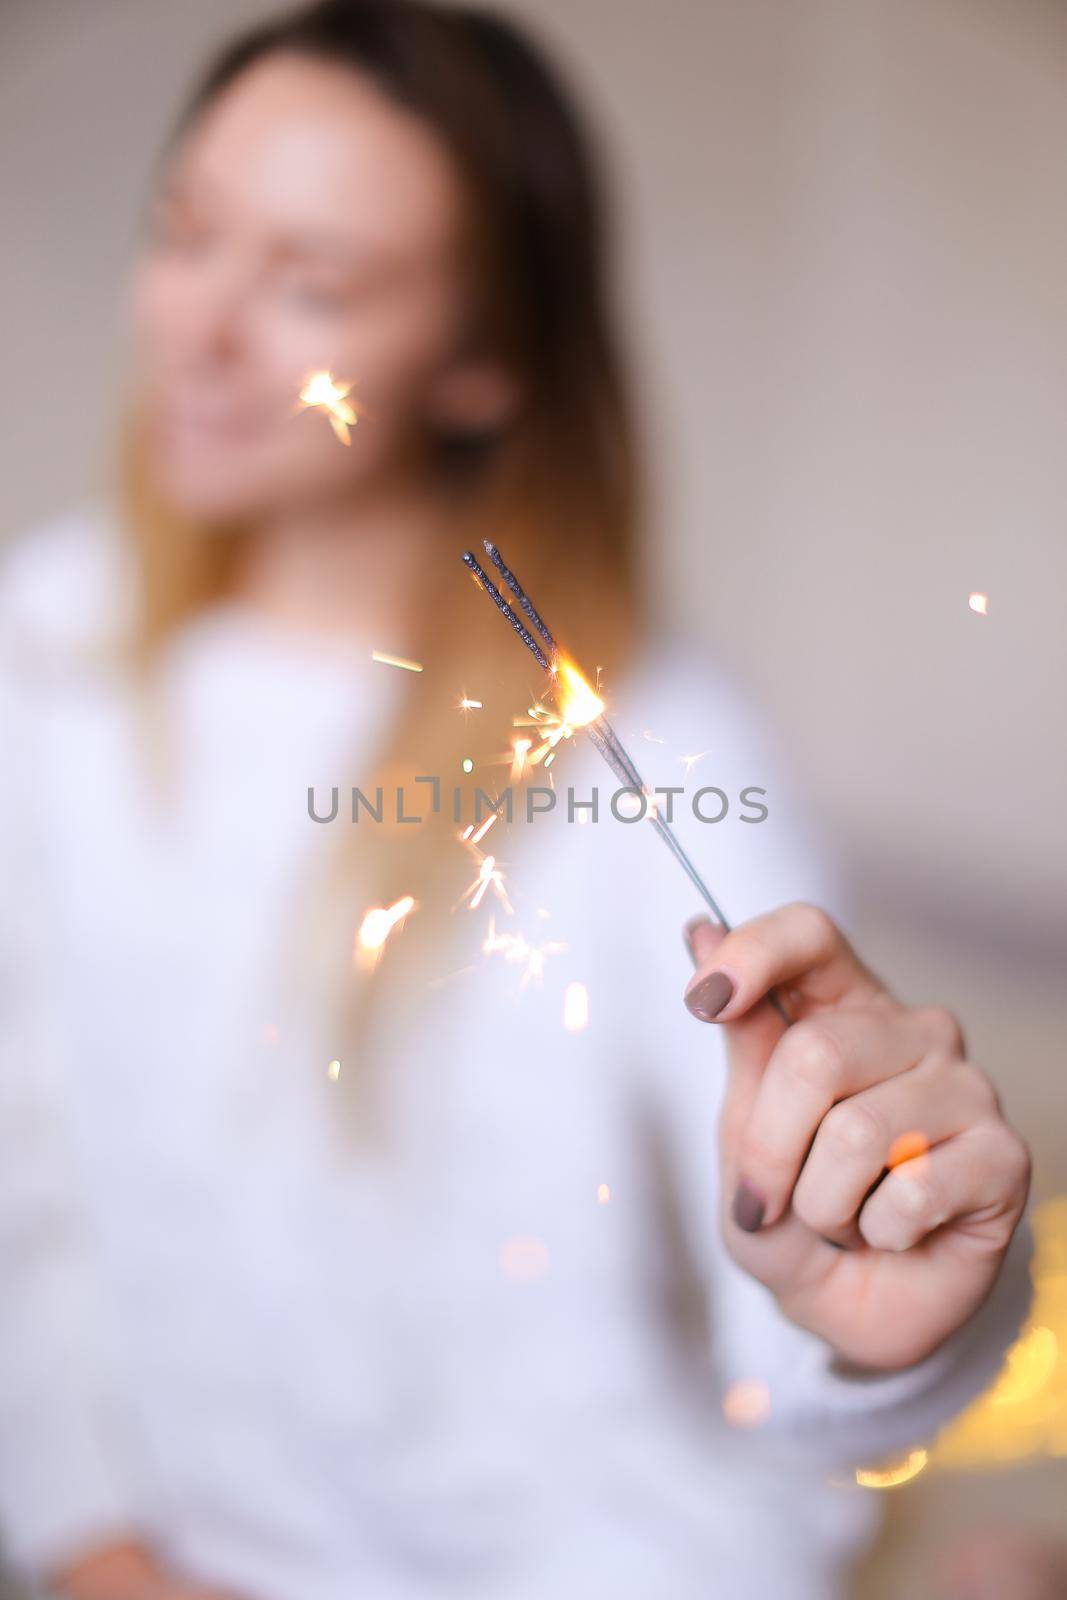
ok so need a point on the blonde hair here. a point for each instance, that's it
(559, 491)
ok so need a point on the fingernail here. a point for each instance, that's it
(690, 929)
(748, 1208)
(710, 996)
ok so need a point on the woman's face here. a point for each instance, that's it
(306, 223)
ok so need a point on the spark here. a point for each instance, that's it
(489, 877)
(378, 923)
(603, 1194)
(575, 1007)
(469, 705)
(480, 832)
(979, 602)
(520, 749)
(467, 764)
(322, 391)
(890, 1477)
(333, 1071)
(517, 950)
(578, 705)
(688, 762)
(396, 661)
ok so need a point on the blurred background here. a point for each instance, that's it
(843, 262)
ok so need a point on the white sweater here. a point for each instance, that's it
(449, 1369)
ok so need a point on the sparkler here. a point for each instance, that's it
(580, 705)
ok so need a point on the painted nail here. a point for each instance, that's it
(710, 996)
(689, 930)
(748, 1208)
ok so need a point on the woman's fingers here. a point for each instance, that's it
(877, 1130)
(750, 1042)
(818, 1070)
(798, 947)
(983, 1174)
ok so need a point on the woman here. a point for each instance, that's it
(322, 1277)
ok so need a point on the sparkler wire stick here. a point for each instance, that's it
(600, 730)
(483, 578)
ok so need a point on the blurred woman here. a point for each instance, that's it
(334, 1263)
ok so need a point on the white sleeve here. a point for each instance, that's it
(817, 1408)
(62, 1487)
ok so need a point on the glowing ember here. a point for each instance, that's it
(520, 749)
(333, 1071)
(516, 949)
(575, 1007)
(579, 703)
(746, 1403)
(480, 832)
(890, 1477)
(980, 603)
(524, 1259)
(470, 705)
(321, 390)
(396, 661)
(377, 925)
(489, 877)
(603, 1194)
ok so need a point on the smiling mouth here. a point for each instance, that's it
(208, 421)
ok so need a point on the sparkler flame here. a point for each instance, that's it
(323, 391)
(579, 704)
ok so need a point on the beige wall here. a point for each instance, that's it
(846, 258)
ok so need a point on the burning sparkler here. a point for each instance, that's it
(580, 705)
(327, 395)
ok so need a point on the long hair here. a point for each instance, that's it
(559, 486)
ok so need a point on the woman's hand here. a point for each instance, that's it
(870, 1179)
(124, 1570)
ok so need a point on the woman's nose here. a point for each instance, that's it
(219, 323)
